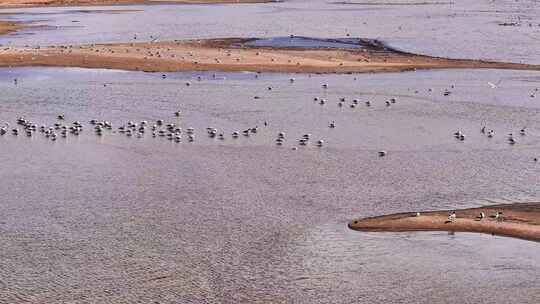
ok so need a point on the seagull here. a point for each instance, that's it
(494, 85)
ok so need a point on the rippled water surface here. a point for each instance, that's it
(118, 219)
(242, 220)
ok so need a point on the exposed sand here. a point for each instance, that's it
(226, 55)
(36, 3)
(8, 27)
(518, 220)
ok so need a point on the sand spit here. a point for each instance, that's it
(41, 3)
(234, 55)
(517, 220)
(8, 27)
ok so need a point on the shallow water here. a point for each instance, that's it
(457, 29)
(306, 42)
(104, 219)
(92, 219)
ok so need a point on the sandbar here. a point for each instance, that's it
(518, 220)
(233, 54)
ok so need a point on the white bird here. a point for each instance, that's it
(452, 217)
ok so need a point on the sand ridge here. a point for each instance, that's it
(517, 220)
(232, 55)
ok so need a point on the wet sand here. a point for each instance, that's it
(8, 27)
(233, 55)
(518, 220)
(41, 3)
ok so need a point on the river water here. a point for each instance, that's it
(100, 219)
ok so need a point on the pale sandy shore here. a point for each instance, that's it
(40, 3)
(517, 220)
(232, 55)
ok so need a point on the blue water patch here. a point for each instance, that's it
(307, 43)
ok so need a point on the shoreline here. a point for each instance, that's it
(66, 3)
(518, 221)
(233, 55)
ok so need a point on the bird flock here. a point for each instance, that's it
(490, 133)
(158, 129)
(497, 216)
(173, 132)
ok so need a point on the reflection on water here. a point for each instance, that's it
(117, 218)
(307, 42)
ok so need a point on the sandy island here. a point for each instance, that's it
(40, 3)
(233, 55)
(518, 220)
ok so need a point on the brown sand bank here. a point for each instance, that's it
(518, 220)
(8, 27)
(38, 3)
(231, 55)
